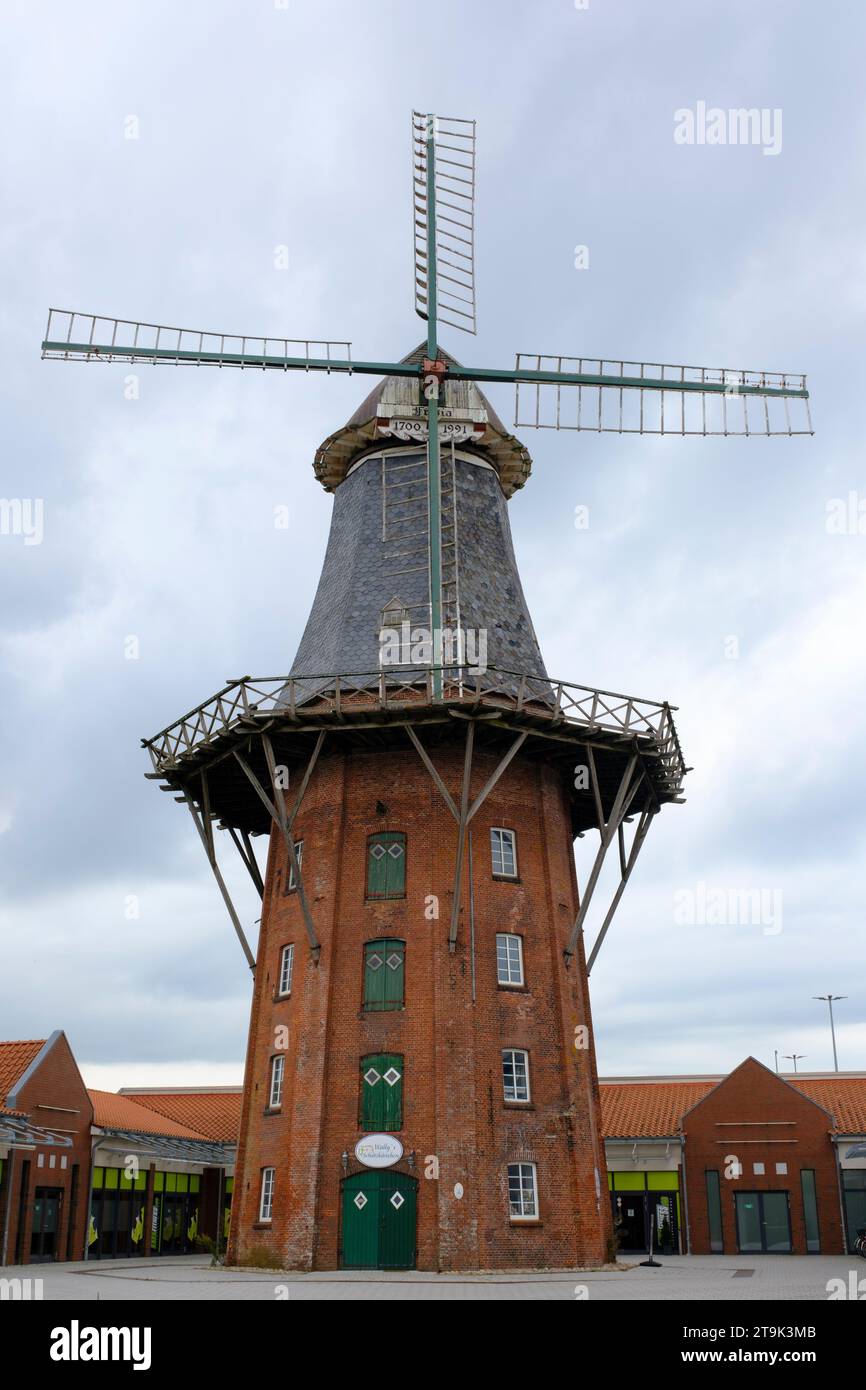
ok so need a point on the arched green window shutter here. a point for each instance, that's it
(384, 973)
(382, 1091)
(386, 864)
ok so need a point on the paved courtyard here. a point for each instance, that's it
(680, 1278)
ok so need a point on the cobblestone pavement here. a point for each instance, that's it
(680, 1278)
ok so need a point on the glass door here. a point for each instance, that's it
(777, 1223)
(763, 1223)
(46, 1223)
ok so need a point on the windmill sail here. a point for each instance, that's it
(72, 336)
(452, 209)
(584, 393)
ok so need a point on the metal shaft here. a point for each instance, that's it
(434, 478)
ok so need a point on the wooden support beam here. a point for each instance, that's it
(207, 842)
(495, 776)
(425, 758)
(248, 859)
(464, 815)
(627, 866)
(624, 797)
(305, 780)
(463, 821)
(289, 839)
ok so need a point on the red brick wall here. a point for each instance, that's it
(453, 1105)
(758, 1117)
(55, 1098)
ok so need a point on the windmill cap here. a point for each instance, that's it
(398, 395)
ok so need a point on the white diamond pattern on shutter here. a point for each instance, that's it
(372, 1077)
(375, 962)
(397, 1200)
(378, 851)
(392, 1076)
(394, 961)
(395, 851)
(360, 1201)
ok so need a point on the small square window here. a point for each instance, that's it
(503, 853)
(758, 1170)
(781, 1170)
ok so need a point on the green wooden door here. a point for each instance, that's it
(361, 1221)
(379, 1216)
(397, 1211)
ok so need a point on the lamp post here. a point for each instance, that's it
(794, 1057)
(830, 999)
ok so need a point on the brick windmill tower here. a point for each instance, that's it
(420, 1080)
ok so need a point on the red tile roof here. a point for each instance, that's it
(647, 1109)
(216, 1114)
(111, 1111)
(654, 1109)
(843, 1096)
(15, 1058)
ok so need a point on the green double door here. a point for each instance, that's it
(379, 1215)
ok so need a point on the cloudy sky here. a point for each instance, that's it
(708, 574)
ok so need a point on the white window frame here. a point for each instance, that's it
(287, 954)
(509, 936)
(291, 886)
(278, 1079)
(514, 1052)
(523, 1215)
(266, 1200)
(512, 839)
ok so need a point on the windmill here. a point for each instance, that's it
(551, 391)
(436, 779)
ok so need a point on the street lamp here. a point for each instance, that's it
(830, 999)
(794, 1057)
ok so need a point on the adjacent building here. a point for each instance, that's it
(748, 1163)
(88, 1174)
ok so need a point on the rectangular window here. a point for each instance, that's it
(291, 885)
(266, 1202)
(384, 974)
(386, 865)
(509, 959)
(287, 963)
(278, 1071)
(810, 1211)
(522, 1192)
(714, 1214)
(382, 1092)
(503, 852)
(515, 1074)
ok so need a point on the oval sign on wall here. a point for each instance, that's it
(378, 1150)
